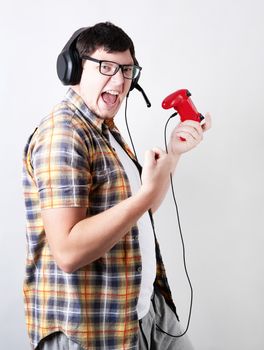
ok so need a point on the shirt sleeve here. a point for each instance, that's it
(60, 161)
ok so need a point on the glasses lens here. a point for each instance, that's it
(130, 72)
(108, 68)
(111, 68)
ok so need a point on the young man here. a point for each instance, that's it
(95, 277)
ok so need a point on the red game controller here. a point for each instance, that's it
(180, 100)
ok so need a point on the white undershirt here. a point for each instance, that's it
(146, 236)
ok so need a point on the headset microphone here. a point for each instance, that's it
(139, 88)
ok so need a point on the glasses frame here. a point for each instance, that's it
(119, 66)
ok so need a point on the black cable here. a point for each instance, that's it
(182, 241)
(130, 137)
(179, 225)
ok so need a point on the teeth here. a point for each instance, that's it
(113, 92)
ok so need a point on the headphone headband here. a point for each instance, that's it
(74, 38)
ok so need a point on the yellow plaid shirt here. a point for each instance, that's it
(69, 162)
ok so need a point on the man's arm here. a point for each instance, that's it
(76, 240)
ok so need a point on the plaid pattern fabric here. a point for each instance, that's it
(69, 162)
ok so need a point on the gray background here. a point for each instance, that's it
(213, 48)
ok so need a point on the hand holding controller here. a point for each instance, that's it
(181, 101)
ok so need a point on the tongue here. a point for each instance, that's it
(109, 98)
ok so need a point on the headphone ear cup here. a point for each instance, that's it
(69, 64)
(69, 67)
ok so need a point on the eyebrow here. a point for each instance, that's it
(104, 60)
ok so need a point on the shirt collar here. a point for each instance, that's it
(102, 124)
(78, 102)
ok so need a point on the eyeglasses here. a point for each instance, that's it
(129, 71)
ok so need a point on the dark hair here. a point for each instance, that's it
(106, 35)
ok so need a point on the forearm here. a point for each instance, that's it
(166, 183)
(76, 240)
(92, 237)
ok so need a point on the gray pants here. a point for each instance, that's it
(150, 338)
(58, 341)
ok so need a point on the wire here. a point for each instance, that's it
(179, 225)
(129, 134)
(182, 241)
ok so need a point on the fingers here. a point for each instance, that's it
(190, 129)
(158, 152)
(194, 129)
(151, 156)
(207, 123)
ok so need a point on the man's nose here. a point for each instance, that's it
(118, 77)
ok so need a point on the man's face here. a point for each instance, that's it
(104, 94)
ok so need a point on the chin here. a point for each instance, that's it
(109, 114)
(106, 113)
(103, 115)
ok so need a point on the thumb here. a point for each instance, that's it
(207, 124)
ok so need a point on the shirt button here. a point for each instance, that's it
(139, 268)
(135, 238)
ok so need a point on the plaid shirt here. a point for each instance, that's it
(69, 162)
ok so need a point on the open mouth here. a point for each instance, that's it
(110, 97)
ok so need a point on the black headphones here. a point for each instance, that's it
(69, 63)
